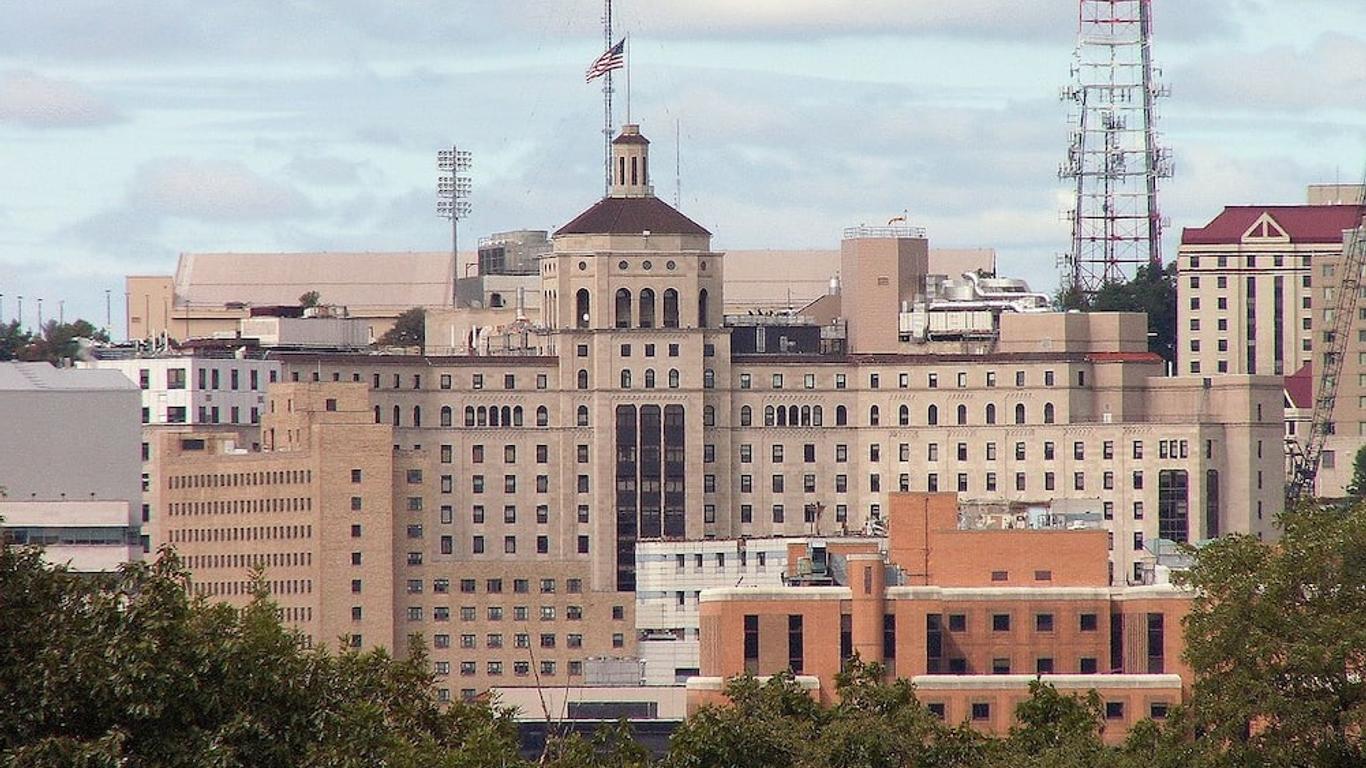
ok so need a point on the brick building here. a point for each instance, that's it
(520, 484)
(1256, 289)
(969, 616)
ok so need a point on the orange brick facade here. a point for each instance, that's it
(970, 616)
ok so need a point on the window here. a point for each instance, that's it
(958, 622)
(1088, 622)
(1088, 665)
(1000, 622)
(1043, 622)
(981, 710)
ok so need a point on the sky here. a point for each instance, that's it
(134, 130)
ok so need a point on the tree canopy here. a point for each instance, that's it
(1151, 290)
(410, 330)
(52, 343)
(130, 670)
(1277, 640)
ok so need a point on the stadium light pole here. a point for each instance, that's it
(453, 189)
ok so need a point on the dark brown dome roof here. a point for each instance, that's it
(632, 216)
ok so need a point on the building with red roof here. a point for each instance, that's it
(1254, 285)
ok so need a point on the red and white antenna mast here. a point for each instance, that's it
(1114, 158)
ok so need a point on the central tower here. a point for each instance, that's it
(632, 297)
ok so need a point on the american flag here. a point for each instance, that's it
(613, 58)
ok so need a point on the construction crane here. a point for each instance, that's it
(1304, 459)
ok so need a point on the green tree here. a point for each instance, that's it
(14, 340)
(54, 342)
(1357, 487)
(309, 299)
(1054, 729)
(1152, 291)
(1277, 640)
(410, 330)
(129, 670)
(875, 724)
(765, 724)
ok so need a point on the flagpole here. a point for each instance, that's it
(626, 50)
(607, 103)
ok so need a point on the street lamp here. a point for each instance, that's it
(453, 190)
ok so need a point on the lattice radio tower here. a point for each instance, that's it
(1113, 158)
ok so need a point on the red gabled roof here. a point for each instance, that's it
(632, 216)
(1302, 223)
(1299, 387)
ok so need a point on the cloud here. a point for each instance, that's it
(173, 203)
(35, 101)
(211, 191)
(1330, 72)
(324, 170)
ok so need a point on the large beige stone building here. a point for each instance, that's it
(519, 484)
(1255, 295)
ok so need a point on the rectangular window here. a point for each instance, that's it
(794, 643)
(751, 643)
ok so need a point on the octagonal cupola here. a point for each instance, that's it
(631, 163)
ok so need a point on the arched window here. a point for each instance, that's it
(581, 307)
(446, 415)
(903, 415)
(670, 308)
(1048, 413)
(649, 378)
(493, 416)
(991, 413)
(517, 416)
(932, 415)
(708, 415)
(377, 416)
(625, 379)
(806, 415)
(962, 414)
(647, 308)
(746, 415)
(1019, 413)
(841, 416)
(582, 417)
(816, 416)
(398, 413)
(702, 308)
(623, 308)
(542, 416)
(768, 416)
(782, 416)
(507, 416)
(583, 378)
(483, 416)
(873, 416)
(673, 378)
(469, 415)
